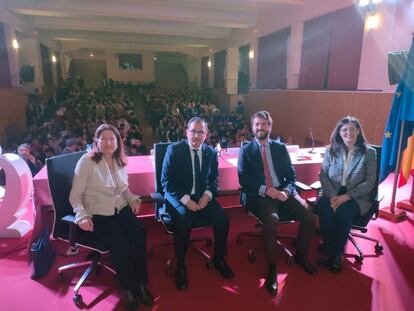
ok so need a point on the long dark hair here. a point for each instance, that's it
(119, 154)
(338, 145)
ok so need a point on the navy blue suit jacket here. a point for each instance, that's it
(177, 172)
(250, 167)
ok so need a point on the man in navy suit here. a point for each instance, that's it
(190, 179)
(267, 177)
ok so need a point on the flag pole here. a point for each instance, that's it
(390, 212)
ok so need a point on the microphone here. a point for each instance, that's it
(222, 147)
(313, 141)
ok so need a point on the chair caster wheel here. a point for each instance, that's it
(239, 240)
(209, 264)
(378, 248)
(359, 258)
(78, 301)
(209, 243)
(251, 257)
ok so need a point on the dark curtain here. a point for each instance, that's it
(331, 51)
(346, 46)
(244, 70)
(272, 60)
(59, 68)
(4, 60)
(219, 67)
(204, 72)
(46, 65)
(315, 53)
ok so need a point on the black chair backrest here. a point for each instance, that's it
(375, 190)
(159, 153)
(363, 220)
(60, 171)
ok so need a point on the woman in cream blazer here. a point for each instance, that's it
(104, 205)
(347, 177)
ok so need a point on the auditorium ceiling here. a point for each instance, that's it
(188, 26)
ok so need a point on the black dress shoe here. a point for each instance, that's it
(304, 262)
(271, 283)
(336, 264)
(128, 299)
(144, 296)
(181, 281)
(223, 268)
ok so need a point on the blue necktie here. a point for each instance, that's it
(197, 174)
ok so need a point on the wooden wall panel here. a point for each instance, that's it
(294, 112)
(13, 112)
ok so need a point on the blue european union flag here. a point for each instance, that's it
(402, 110)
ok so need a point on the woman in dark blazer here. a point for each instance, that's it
(347, 176)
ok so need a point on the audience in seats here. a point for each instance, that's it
(190, 180)
(170, 111)
(34, 164)
(104, 205)
(267, 177)
(347, 176)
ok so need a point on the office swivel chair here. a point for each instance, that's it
(361, 222)
(60, 170)
(162, 214)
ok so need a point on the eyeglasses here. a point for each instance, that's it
(201, 133)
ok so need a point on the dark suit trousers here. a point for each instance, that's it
(184, 220)
(126, 239)
(270, 212)
(335, 226)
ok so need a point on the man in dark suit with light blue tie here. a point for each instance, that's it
(267, 177)
(190, 180)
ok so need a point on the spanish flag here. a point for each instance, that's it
(407, 161)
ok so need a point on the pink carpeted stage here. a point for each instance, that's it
(382, 283)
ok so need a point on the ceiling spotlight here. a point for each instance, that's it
(209, 64)
(54, 59)
(210, 50)
(91, 54)
(363, 3)
(155, 58)
(372, 22)
(15, 44)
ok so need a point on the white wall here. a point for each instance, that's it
(394, 33)
(147, 74)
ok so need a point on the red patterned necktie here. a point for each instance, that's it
(268, 176)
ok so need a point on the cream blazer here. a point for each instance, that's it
(94, 191)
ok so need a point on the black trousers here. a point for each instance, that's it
(335, 226)
(270, 212)
(184, 220)
(126, 239)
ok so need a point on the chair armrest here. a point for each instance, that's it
(73, 228)
(157, 198)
